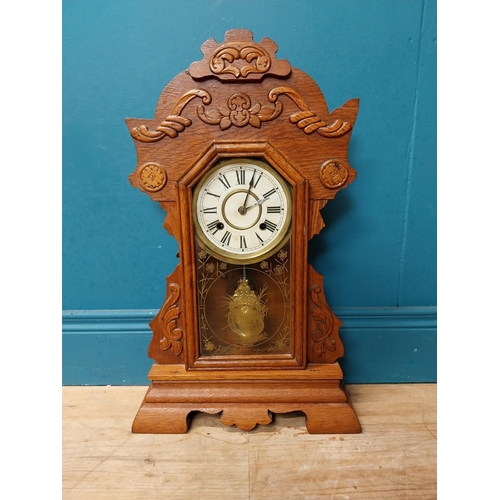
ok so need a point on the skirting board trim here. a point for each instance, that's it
(382, 345)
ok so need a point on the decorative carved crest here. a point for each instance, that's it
(239, 58)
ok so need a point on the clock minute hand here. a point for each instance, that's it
(242, 210)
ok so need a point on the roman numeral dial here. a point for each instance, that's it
(242, 210)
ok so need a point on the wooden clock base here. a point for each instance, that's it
(246, 398)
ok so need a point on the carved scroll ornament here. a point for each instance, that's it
(306, 119)
(174, 123)
(324, 319)
(223, 59)
(240, 112)
(172, 334)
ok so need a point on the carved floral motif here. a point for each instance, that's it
(239, 112)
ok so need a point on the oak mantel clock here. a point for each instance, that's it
(243, 154)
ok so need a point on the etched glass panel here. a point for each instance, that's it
(244, 309)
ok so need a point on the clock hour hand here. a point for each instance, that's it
(259, 202)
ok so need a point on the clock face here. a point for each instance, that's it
(242, 210)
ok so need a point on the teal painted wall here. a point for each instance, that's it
(378, 250)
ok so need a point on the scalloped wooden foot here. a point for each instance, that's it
(334, 418)
(246, 417)
(156, 418)
(246, 399)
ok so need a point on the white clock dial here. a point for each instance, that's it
(242, 210)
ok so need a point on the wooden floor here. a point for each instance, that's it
(393, 458)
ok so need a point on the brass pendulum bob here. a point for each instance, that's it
(247, 311)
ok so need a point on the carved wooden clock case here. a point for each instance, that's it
(242, 154)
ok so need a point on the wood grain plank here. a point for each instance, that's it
(393, 458)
